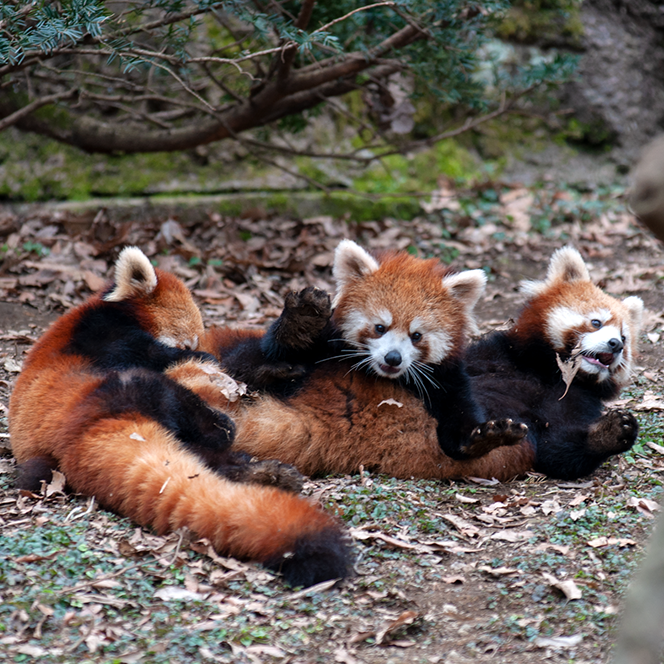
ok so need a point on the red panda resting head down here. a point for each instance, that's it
(110, 397)
(578, 318)
(402, 313)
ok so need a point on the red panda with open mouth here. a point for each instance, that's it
(114, 396)
(567, 324)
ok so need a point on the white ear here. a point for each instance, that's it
(567, 265)
(467, 287)
(134, 276)
(532, 288)
(351, 263)
(635, 308)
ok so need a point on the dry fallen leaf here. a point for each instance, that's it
(644, 506)
(454, 580)
(406, 618)
(390, 402)
(466, 499)
(568, 587)
(56, 485)
(558, 641)
(462, 525)
(650, 401)
(569, 368)
(499, 571)
(513, 535)
(598, 542)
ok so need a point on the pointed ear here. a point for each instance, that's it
(532, 288)
(467, 287)
(351, 263)
(134, 276)
(567, 265)
(635, 309)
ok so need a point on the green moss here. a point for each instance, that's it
(401, 174)
(529, 21)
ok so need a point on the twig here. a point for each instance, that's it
(14, 117)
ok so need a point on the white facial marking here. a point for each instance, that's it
(353, 324)
(559, 322)
(392, 341)
(439, 344)
(602, 315)
(384, 318)
(598, 342)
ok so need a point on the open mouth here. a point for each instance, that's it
(603, 360)
(387, 370)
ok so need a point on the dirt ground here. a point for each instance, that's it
(521, 572)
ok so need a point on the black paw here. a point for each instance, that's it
(279, 372)
(613, 433)
(304, 316)
(492, 434)
(273, 473)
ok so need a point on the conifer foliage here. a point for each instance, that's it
(165, 75)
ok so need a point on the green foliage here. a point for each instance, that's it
(45, 26)
(170, 64)
(537, 21)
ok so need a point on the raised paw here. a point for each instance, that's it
(273, 473)
(613, 433)
(492, 434)
(304, 316)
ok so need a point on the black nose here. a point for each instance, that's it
(393, 358)
(615, 345)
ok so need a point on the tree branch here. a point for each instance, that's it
(17, 116)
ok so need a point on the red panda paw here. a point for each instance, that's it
(613, 433)
(492, 434)
(271, 473)
(304, 316)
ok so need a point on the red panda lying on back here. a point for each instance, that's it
(516, 374)
(103, 396)
(392, 394)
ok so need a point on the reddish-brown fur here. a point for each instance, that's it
(343, 418)
(135, 466)
(341, 422)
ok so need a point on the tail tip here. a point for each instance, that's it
(323, 556)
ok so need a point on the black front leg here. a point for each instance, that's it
(301, 327)
(462, 430)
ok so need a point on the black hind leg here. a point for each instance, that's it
(240, 467)
(574, 453)
(34, 471)
(613, 433)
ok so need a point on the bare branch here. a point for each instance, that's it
(349, 14)
(18, 115)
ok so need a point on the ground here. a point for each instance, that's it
(521, 572)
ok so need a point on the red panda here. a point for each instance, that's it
(516, 373)
(104, 396)
(391, 395)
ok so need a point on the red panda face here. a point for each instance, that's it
(402, 314)
(164, 303)
(576, 317)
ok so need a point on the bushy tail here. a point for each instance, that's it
(135, 467)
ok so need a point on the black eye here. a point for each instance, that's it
(416, 336)
(596, 323)
(624, 338)
(380, 329)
